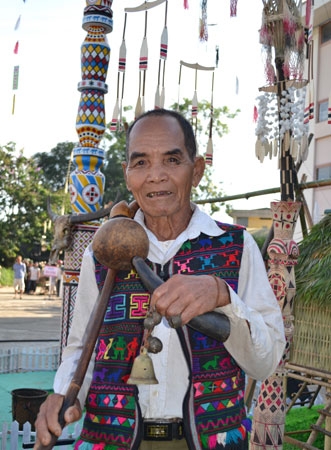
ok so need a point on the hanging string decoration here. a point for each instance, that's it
(283, 121)
(16, 69)
(282, 103)
(309, 22)
(117, 112)
(194, 110)
(282, 31)
(203, 35)
(116, 122)
(233, 8)
(160, 90)
(143, 66)
(309, 105)
(210, 151)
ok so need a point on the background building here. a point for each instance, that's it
(318, 164)
(252, 219)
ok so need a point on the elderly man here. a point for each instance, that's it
(207, 266)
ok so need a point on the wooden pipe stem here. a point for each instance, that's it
(214, 324)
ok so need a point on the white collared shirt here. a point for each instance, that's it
(257, 349)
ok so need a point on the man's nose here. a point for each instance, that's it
(157, 172)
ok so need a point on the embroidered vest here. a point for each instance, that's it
(213, 410)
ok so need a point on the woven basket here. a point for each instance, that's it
(311, 345)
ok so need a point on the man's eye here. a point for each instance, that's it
(173, 160)
(137, 163)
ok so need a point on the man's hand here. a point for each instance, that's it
(47, 423)
(190, 296)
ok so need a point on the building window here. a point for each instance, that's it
(323, 111)
(323, 173)
(326, 32)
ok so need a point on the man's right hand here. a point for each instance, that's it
(47, 423)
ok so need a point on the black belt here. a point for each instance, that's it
(163, 430)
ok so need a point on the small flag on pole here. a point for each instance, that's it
(15, 77)
(18, 23)
(16, 48)
(13, 105)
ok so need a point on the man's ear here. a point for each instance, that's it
(199, 169)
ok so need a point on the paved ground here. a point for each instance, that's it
(34, 321)
(34, 318)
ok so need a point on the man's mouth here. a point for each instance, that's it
(158, 194)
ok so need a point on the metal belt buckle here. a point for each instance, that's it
(162, 431)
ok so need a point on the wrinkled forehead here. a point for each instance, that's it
(156, 131)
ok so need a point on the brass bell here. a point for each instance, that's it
(142, 370)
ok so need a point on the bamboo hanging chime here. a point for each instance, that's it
(194, 112)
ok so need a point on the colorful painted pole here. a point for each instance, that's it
(86, 185)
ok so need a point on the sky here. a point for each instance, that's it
(50, 34)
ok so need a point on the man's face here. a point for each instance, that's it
(159, 172)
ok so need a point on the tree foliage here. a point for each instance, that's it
(202, 126)
(55, 165)
(314, 262)
(23, 204)
(115, 143)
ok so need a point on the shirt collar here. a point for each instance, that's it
(200, 223)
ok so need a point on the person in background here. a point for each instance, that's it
(206, 265)
(19, 268)
(52, 284)
(34, 277)
(28, 265)
(59, 277)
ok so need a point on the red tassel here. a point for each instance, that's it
(233, 8)
(16, 48)
(185, 4)
(255, 114)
